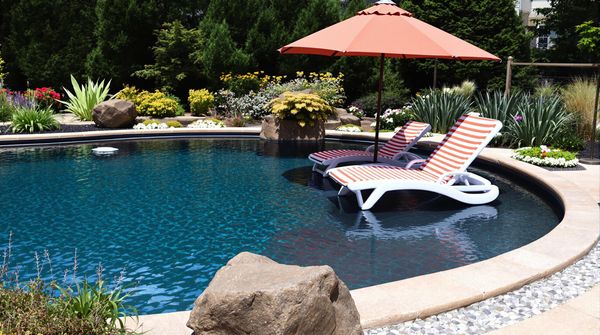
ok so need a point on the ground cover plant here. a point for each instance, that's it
(155, 104)
(31, 119)
(544, 156)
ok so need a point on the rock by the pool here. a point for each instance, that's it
(114, 114)
(253, 294)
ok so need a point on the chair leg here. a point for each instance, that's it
(372, 199)
(343, 191)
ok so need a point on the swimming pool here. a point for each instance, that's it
(171, 212)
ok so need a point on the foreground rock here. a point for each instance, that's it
(114, 114)
(253, 294)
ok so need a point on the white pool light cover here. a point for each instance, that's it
(105, 150)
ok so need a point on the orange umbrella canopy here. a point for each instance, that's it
(388, 30)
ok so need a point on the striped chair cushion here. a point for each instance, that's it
(352, 174)
(462, 142)
(398, 143)
(403, 137)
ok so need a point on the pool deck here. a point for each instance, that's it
(422, 296)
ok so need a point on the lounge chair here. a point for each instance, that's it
(443, 172)
(391, 152)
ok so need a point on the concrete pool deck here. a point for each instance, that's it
(426, 295)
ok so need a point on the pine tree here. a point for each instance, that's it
(265, 37)
(177, 58)
(221, 53)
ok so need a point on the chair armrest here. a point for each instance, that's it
(452, 174)
(415, 161)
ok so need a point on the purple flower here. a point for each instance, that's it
(518, 118)
(18, 99)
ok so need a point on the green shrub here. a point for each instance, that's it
(241, 84)
(466, 89)
(85, 97)
(150, 121)
(157, 104)
(496, 105)
(174, 124)
(236, 122)
(6, 109)
(200, 101)
(440, 109)
(538, 121)
(305, 108)
(389, 100)
(129, 93)
(325, 85)
(569, 141)
(32, 119)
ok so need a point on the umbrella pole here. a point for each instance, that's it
(375, 152)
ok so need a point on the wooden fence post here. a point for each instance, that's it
(508, 76)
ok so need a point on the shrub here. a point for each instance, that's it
(157, 104)
(543, 156)
(6, 109)
(496, 105)
(440, 109)
(129, 93)
(538, 121)
(350, 128)
(85, 97)
(236, 122)
(393, 118)
(252, 105)
(174, 124)
(325, 85)
(241, 84)
(200, 101)
(32, 119)
(207, 124)
(305, 108)
(389, 100)
(569, 141)
(579, 99)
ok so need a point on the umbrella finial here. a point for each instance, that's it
(385, 2)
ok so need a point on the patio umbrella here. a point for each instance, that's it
(386, 31)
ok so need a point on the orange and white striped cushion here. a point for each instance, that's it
(403, 137)
(398, 143)
(332, 154)
(460, 144)
(352, 174)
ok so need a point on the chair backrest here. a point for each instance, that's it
(463, 143)
(404, 138)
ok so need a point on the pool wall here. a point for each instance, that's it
(430, 294)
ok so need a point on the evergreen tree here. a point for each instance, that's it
(562, 18)
(177, 58)
(264, 38)
(47, 41)
(221, 53)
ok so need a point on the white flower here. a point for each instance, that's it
(153, 125)
(206, 124)
(349, 128)
(545, 161)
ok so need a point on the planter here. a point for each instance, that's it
(275, 129)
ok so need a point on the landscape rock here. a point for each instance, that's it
(253, 294)
(347, 118)
(114, 114)
(289, 130)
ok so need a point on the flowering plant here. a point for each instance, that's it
(393, 118)
(200, 101)
(359, 113)
(210, 123)
(304, 108)
(150, 125)
(350, 128)
(544, 156)
(45, 97)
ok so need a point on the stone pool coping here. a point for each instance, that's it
(425, 295)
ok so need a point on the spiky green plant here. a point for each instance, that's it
(496, 105)
(538, 121)
(31, 119)
(85, 97)
(440, 109)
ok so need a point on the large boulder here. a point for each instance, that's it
(288, 130)
(253, 294)
(114, 114)
(347, 118)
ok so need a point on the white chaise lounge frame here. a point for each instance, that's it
(399, 158)
(457, 184)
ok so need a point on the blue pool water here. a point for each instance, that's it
(169, 213)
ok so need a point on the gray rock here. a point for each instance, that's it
(255, 295)
(347, 118)
(114, 114)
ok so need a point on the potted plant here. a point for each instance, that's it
(296, 116)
